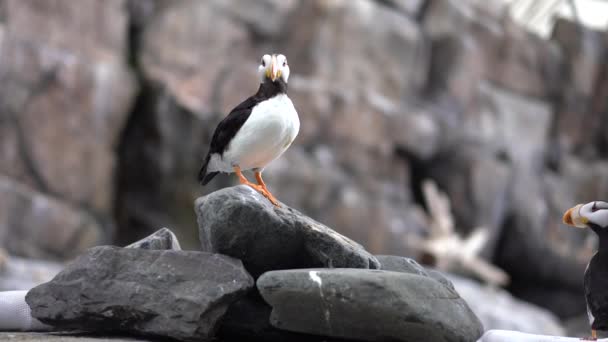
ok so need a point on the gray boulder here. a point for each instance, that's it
(241, 223)
(176, 294)
(370, 305)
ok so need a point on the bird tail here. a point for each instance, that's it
(203, 176)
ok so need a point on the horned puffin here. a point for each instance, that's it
(594, 215)
(257, 131)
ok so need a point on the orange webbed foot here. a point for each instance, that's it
(593, 336)
(266, 193)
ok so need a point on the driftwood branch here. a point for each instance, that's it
(448, 249)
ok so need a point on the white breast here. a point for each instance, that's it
(270, 129)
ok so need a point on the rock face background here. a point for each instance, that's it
(107, 107)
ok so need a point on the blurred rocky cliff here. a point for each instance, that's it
(107, 108)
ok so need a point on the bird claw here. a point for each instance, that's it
(265, 193)
(271, 198)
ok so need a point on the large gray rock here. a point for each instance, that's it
(241, 223)
(368, 305)
(167, 293)
(248, 319)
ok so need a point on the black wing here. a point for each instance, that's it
(224, 132)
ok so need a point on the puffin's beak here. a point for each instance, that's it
(274, 69)
(573, 218)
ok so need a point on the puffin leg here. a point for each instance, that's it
(593, 336)
(244, 180)
(271, 198)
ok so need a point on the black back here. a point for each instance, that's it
(230, 125)
(596, 281)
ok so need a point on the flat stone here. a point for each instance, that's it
(162, 239)
(369, 305)
(61, 337)
(407, 265)
(241, 223)
(176, 294)
(248, 319)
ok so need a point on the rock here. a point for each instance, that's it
(511, 57)
(408, 265)
(162, 239)
(165, 293)
(72, 68)
(350, 190)
(266, 18)
(416, 132)
(457, 66)
(578, 125)
(369, 305)
(340, 105)
(241, 223)
(522, 125)
(496, 307)
(177, 67)
(410, 7)
(38, 226)
(248, 319)
(61, 337)
(401, 264)
(509, 336)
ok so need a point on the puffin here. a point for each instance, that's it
(594, 215)
(257, 131)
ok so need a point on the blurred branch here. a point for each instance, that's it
(450, 251)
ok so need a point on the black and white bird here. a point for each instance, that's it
(594, 215)
(257, 131)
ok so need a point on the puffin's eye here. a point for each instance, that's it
(285, 63)
(594, 208)
(263, 63)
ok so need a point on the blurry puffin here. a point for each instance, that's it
(257, 131)
(594, 215)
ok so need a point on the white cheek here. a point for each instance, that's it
(285, 74)
(600, 218)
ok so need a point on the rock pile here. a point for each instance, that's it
(513, 127)
(313, 284)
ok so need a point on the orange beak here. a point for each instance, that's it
(274, 70)
(567, 219)
(573, 218)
